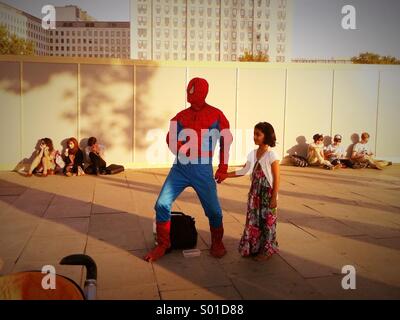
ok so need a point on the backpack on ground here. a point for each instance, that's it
(183, 233)
(114, 169)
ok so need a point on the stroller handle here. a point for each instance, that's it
(82, 260)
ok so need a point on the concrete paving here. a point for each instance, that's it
(326, 220)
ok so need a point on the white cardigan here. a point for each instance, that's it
(266, 161)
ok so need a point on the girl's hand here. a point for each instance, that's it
(95, 149)
(273, 202)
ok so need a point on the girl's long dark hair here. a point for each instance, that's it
(49, 143)
(269, 133)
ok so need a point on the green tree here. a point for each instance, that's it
(259, 57)
(373, 58)
(11, 44)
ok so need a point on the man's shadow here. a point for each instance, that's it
(24, 165)
(355, 138)
(299, 149)
(327, 141)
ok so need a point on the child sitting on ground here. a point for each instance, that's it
(315, 154)
(362, 154)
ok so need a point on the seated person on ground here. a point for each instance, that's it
(363, 154)
(73, 158)
(44, 161)
(94, 157)
(335, 152)
(315, 154)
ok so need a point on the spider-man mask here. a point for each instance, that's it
(197, 91)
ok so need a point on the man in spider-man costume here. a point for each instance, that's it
(192, 138)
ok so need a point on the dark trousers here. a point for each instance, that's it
(347, 162)
(98, 164)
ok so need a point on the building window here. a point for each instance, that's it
(141, 32)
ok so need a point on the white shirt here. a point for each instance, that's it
(338, 151)
(265, 161)
(362, 148)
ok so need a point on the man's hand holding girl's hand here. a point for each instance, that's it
(220, 176)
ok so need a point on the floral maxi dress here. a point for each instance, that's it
(259, 235)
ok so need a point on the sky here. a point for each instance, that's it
(317, 31)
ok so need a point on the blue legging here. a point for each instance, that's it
(200, 177)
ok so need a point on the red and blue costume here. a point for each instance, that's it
(192, 138)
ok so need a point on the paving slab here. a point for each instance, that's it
(326, 220)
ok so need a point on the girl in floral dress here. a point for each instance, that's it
(259, 235)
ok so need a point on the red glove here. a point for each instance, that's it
(220, 173)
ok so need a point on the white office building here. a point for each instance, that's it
(14, 20)
(210, 30)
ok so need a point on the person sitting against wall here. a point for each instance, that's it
(335, 152)
(363, 155)
(44, 160)
(73, 158)
(94, 157)
(315, 153)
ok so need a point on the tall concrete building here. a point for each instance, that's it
(76, 36)
(210, 30)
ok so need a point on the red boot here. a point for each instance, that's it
(217, 249)
(163, 240)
